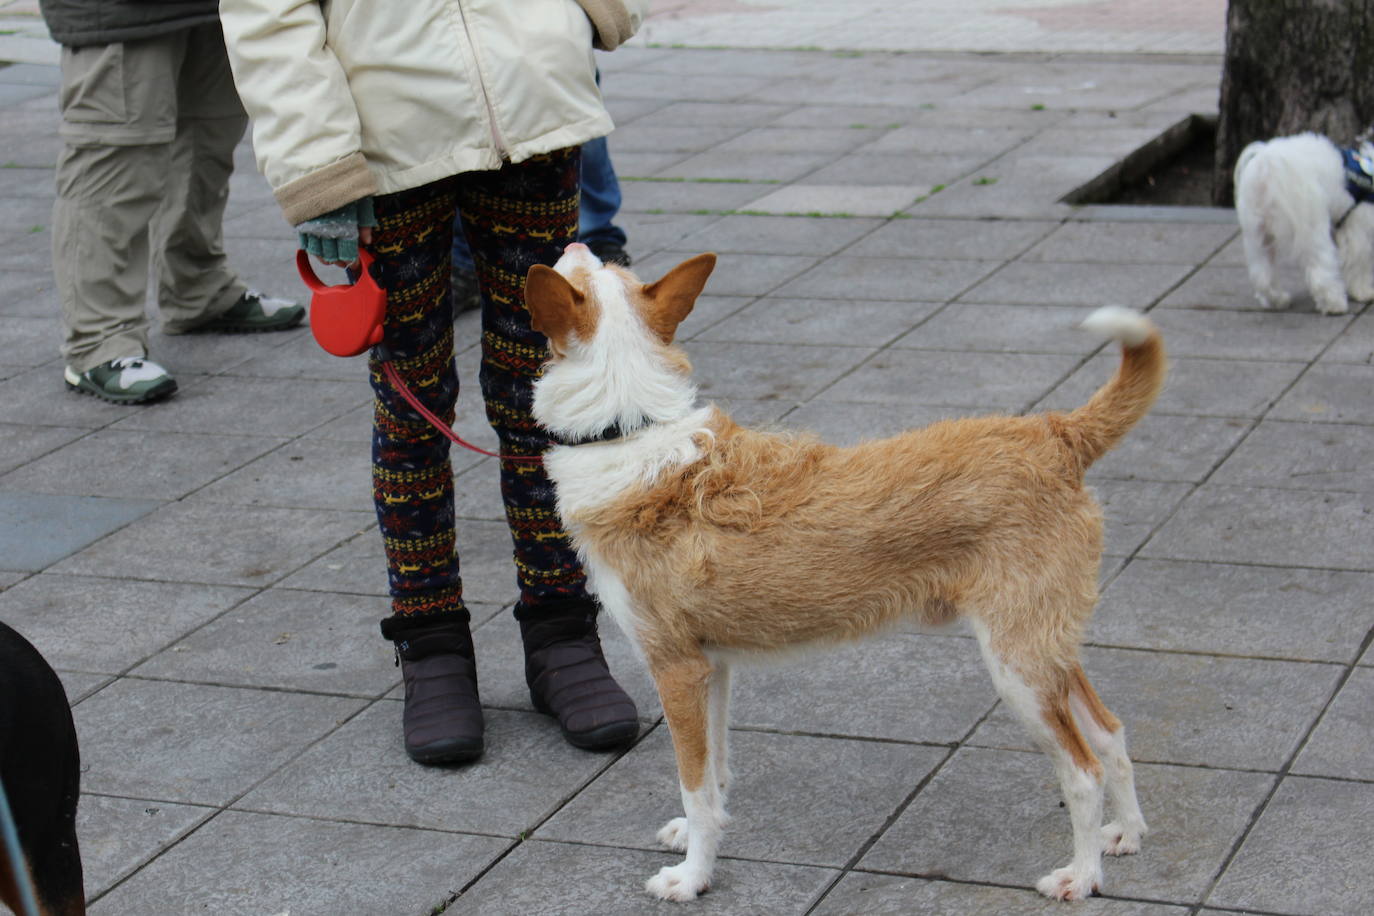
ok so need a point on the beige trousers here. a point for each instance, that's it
(149, 129)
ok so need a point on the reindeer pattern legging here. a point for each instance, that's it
(513, 217)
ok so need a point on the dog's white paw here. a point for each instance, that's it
(1119, 840)
(1067, 884)
(674, 834)
(1333, 306)
(1274, 298)
(1362, 293)
(678, 882)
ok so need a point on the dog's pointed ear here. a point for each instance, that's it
(671, 298)
(555, 304)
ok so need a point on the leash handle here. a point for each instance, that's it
(394, 377)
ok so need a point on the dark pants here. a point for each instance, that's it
(513, 218)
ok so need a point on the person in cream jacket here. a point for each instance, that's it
(374, 121)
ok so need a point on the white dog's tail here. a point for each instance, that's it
(1244, 158)
(1097, 426)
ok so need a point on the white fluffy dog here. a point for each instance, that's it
(1303, 199)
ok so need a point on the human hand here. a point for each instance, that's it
(334, 237)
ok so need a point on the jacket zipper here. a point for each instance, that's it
(496, 138)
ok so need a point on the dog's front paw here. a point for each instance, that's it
(678, 882)
(674, 834)
(1273, 298)
(1068, 884)
(1333, 306)
(1120, 840)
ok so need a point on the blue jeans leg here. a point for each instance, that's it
(600, 195)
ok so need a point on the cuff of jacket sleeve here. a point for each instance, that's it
(612, 21)
(326, 189)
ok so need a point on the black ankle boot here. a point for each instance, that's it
(443, 715)
(569, 679)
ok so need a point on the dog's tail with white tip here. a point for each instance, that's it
(1097, 426)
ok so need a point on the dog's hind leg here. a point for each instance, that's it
(1355, 242)
(1037, 692)
(1107, 738)
(683, 686)
(1322, 267)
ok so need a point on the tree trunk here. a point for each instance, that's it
(1293, 66)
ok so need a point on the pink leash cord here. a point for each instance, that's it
(395, 378)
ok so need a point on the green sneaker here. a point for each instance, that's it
(256, 312)
(129, 380)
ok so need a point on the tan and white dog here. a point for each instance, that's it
(711, 544)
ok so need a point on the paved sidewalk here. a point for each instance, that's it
(206, 575)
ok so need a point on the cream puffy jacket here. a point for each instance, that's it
(357, 97)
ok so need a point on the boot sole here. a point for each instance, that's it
(454, 751)
(606, 738)
(152, 394)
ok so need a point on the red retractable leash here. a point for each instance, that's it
(347, 321)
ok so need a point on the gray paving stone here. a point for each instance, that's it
(984, 139)
(569, 879)
(1295, 862)
(1356, 343)
(711, 114)
(298, 475)
(33, 341)
(845, 277)
(105, 625)
(120, 835)
(300, 357)
(1134, 242)
(646, 195)
(38, 397)
(144, 465)
(361, 772)
(650, 232)
(1135, 285)
(1002, 329)
(890, 895)
(1339, 746)
(818, 199)
(1245, 334)
(290, 640)
(1224, 288)
(796, 799)
(921, 169)
(194, 743)
(769, 371)
(254, 864)
(748, 166)
(708, 312)
(206, 354)
(1007, 381)
(1271, 527)
(817, 322)
(996, 817)
(976, 239)
(79, 685)
(1308, 456)
(38, 530)
(1216, 608)
(1169, 447)
(216, 544)
(1197, 709)
(735, 274)
(1195, 387)
(929, 689)
(666, 138)
(20, 444)
(251, 407)
(1134, 509)
(775, 139)
(778, 235)
(1332, 392)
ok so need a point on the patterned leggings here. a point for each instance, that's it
(512, 217)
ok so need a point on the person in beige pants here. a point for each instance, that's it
(149, 128)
